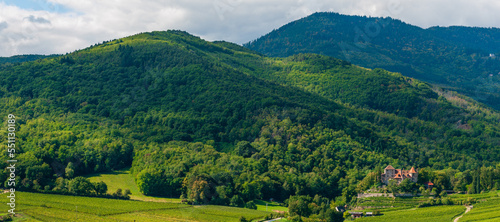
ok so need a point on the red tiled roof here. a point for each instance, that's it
(412, 170)
(389, 168)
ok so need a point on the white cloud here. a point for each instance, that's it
(83, 23)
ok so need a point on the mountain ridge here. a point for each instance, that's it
(221, 124)
(431, 55)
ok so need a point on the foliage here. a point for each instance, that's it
(299, 205)
(456, 57)
(81, 186)
(22, 58)
(220, 124)
(317, 209)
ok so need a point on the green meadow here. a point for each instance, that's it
(122, 179)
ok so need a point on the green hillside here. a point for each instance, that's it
(455, 57)
(22, 58)
(220, 124)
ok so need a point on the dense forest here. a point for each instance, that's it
(463, 59)
(216, 123)
(22, 58)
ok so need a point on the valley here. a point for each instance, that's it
(212, 131)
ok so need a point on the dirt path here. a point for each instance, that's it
(466, 211)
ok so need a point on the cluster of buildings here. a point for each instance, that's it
(390, 173)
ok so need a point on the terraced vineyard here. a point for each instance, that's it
(406, 209)
(199, 213)
(485, 211)
(438, 213)
(48, 207)
(389, 203)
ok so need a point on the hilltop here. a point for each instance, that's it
(221, 124)
(463, 59)
(23, 58)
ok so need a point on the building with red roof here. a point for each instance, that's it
(390, 173)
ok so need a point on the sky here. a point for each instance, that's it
(62, 26)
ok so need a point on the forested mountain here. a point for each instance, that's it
(22, 58)
(221, 124)
(465, 59)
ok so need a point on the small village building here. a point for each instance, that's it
(449, 192)
(390, 173)
(369, 214)
(340, 209)
(428, 185)
(356, 215)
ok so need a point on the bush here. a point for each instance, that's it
(443, 194)
(237, 201)
(347, 215)
(251, 205)
(6, 218)
(295, 218)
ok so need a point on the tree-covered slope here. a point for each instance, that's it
(221, 124)
(454, 57)
(22, 58)
(482, 40)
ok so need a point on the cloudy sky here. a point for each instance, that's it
(60, 26)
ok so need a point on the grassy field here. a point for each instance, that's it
(271, 206)
(122, 179)
(49, 207)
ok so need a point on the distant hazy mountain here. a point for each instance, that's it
(466, 59)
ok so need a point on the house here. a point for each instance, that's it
(390, 173)
(449, 192)
(340, 209)
(369, 214)
(356, 215)
(428, 185)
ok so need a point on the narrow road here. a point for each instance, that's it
(466, 211)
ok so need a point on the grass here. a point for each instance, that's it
(271, 206)
(122, 179)
(50, 207)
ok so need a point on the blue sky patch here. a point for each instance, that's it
(37, 5)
